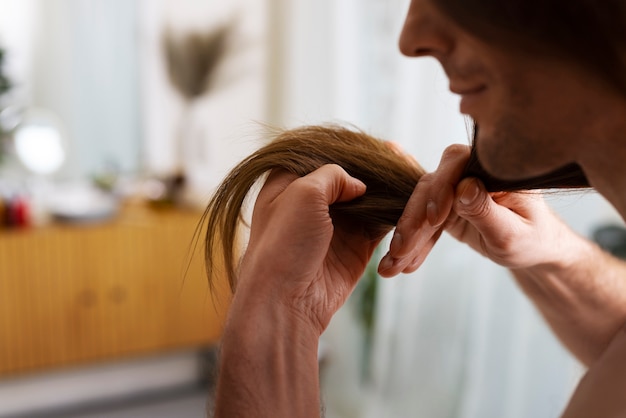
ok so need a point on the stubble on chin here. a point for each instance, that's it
(511, 151)
(502, 152)
(510, 148)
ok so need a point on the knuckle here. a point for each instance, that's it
(480, 209)
(425, 188)
(407, 223)
(455, 151)
(317, 182)
(306, 187)
(433, 185)
(334, 169)
(412, 217)
(427, 179)
(506, 244)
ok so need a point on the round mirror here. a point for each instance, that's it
(39, 142)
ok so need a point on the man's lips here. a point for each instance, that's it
(464, 91)
(469, 96)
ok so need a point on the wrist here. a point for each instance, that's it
(582, 297)
(267, 353)
(257, 313)
(282, 295)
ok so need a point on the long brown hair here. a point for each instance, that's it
(390, 182)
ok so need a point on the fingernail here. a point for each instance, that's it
(470, 194)
(396, 242)
(432, 213)
(386, 263)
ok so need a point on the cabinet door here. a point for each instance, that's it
(73, 295)
(43, 302)
(153, 288)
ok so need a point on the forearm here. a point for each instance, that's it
(583, 299)
(268, 364)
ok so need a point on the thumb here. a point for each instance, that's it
(494, 222)
(491, 213)
(474, 202)
(336, 184)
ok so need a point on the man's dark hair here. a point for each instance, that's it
(590, 33)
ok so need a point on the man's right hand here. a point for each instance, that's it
(516, 230)
(579, 289)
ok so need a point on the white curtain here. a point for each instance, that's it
(457, 338)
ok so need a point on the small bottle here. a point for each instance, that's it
(8, 220)
(21, 212)
(3, 209)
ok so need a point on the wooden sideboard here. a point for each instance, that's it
(72, 294)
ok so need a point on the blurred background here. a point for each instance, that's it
(117, 120)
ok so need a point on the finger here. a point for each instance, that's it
(412, 264)
(491, 220)
(479, 220)
(276, 183)
(432, 200)
(422, 254)
(395, 147)
(507, 230)
(523, 203)
(332, 183)
(427, 209)
(399, 151)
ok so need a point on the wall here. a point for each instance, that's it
(222, 126)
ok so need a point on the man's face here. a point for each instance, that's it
(533, 112)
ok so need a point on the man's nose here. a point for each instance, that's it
(424, 34)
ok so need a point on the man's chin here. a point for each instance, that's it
(505, 156)
(499, 163)
(519, 176)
